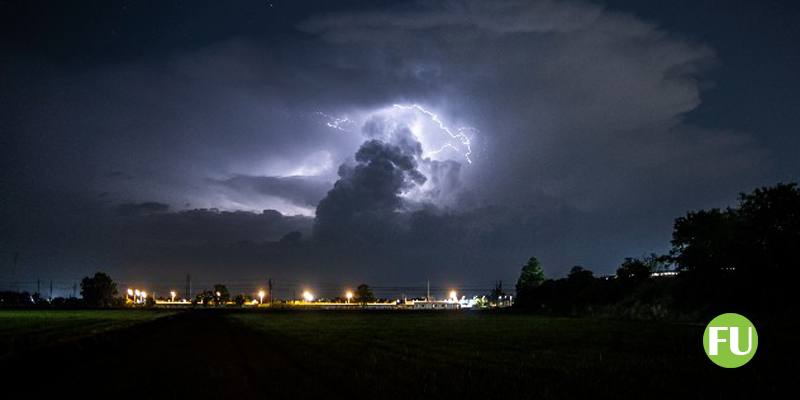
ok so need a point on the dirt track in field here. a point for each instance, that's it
(192, 354)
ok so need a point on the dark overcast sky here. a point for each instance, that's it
(405, 141)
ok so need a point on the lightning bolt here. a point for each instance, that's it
(458, 134)
(335, 122)
(441, 149)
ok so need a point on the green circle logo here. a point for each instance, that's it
(730, 340)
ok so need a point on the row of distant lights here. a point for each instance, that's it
(139, 296)
(308, 296)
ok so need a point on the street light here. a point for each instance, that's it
(172, 295)
(453, 295)
(308, 296)
(349, 296)
(260, 297)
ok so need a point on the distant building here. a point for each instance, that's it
(435, 305)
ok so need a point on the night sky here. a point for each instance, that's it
(404, 141)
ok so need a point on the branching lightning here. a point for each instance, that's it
(441, 149)
(335, 122)
(458, 134)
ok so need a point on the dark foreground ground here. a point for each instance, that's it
(304, 354)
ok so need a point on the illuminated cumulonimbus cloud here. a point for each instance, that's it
(439, 140)
(438, 150)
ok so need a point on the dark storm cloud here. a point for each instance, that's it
(367, 194)
(171, 123)
(136, 209)
(579, 104)
(200, 226)
(582, 153)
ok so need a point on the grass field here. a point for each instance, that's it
(25, 330)
(470, 354)
(311, 354)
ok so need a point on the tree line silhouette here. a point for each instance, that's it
(741, 259)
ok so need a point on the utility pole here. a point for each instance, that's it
(188, 287)
(14, 271)
(428, 296)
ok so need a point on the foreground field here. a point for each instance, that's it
(223, 354)
(485, 354)
(26, 330)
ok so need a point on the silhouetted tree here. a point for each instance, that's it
(633, 271)
(497, 292)
(221, 294)
(747, 249)
(14, 298)
(364, 294)
(240, 299)
(205, 297)
(532, 274)
(703, 242)
(529, 280)
(769, 232)
(99, 290)
(578, 274)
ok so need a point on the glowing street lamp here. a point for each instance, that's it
(453, 295)
(261, 297)
(308, 296)
(348, 295)
(130, 292)
(172, 295)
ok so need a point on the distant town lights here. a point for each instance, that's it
(308, 296)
